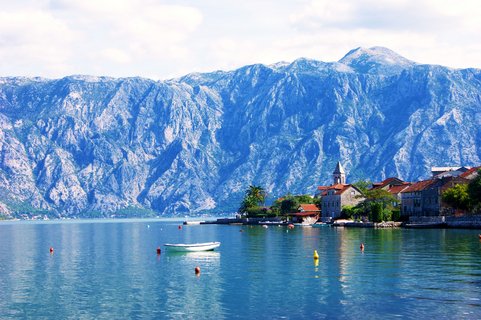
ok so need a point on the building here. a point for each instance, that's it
(411, 198)
(394, 186)
(424, 198)
(339, 174)
(448, 171)
(339, 194)
(306, 214)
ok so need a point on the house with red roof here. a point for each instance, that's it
(394, 186)
(306, 214)
(411, 198)
(424, 198)
(337, 195)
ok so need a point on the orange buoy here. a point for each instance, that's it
(51, 249)
(158, 250)
(197, 270)
(362, 246)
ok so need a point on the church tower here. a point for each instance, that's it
(339, 175)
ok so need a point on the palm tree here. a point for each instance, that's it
(257, 193)
(255, 196)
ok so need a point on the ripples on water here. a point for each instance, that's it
(111, 270)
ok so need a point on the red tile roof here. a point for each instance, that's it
(398, 189)
(386, 182)
(419, 186)
(309, 207)
(470, 172)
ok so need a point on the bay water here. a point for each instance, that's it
(109, 269)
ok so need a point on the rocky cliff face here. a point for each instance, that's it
(86, 144)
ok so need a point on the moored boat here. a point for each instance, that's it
(320, 225)
(184, 247)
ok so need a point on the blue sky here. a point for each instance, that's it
(165, 39)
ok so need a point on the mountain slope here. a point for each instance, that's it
(84, 144)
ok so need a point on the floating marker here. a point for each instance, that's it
(361, 247)
(315, 256)
(51, 249)
(180, 227)
(197, 270)
(158, 251)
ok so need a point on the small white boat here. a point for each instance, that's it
(183, 247)
(192, 222)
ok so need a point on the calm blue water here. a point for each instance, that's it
(110, 270)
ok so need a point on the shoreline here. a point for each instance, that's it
(473, 222)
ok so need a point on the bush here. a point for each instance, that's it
(376, 212)
(396, 215)
(386, 215)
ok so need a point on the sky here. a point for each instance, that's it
(165, 39)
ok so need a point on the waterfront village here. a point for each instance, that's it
(450, 198)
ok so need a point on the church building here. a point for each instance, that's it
(337, 195)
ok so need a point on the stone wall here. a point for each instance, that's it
(426, 219)
(468, 221)
(464, 222)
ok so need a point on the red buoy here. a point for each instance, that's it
(51, 249)
(197, 270)
(180, 227)
(362, 246)
(480, 236)
(158, 250)
(290, 226)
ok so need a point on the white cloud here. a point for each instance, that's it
(33, 40)
(162, 39)
(428, 31)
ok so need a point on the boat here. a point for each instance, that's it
(192, 222)
(183, 247)
(320, 225)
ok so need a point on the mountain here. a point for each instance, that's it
(88, 146)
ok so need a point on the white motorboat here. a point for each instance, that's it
(183, 247)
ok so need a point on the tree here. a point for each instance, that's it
(290, 203)
(254, 197)
(258, 194)
(363, 185)
(378, 204)
(350, 212)
(474, 190)
(458, 197)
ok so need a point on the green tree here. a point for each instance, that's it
(363, 185)
(474, 190)
(254, 197)
(290, 203)
(376, 212)
(350, 212)
(378, 204)
(458, 197)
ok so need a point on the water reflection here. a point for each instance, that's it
(111, 270)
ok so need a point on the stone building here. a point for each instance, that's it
(337, 195)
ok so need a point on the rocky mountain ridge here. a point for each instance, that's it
(86, 145)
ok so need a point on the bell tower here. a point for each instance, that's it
(339, 175)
